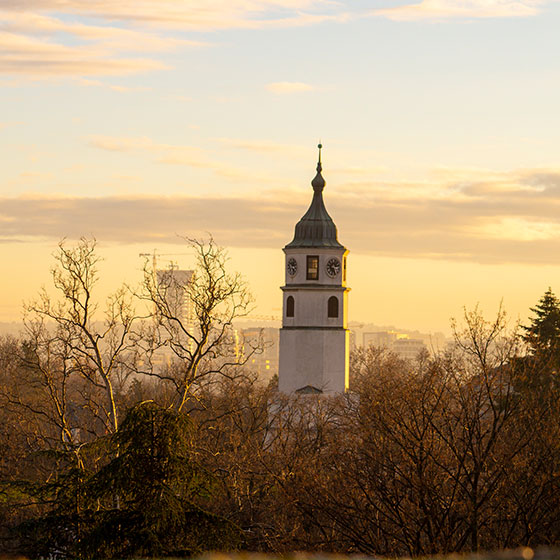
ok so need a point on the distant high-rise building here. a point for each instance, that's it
(172, 286)
(314, 339)
(173, 283)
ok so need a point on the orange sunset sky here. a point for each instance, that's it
(138, 122)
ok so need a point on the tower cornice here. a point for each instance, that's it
(315, 287)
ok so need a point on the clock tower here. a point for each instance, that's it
(314, 339)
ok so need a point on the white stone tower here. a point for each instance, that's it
(314, 340)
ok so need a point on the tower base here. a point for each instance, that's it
(313, 360)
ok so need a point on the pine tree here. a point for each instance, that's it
(543, 334)
(146, 501)
(159, 488)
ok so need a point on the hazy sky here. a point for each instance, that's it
(138, 121)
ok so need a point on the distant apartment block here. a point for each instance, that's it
(259, 346)
(399, 343)
(382, 339)
(408, 348)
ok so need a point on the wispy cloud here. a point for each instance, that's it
(163, 153)
(288, 87)
(509, 217)
(196, 15)
(125, 219)
(450, 9)
(264, 146)
(126, 143)
(518, 229)
(171, 154)
(8, 124)
(112, 87)
(50, 38)
(41, 46)
(28, 56)
(110, 36)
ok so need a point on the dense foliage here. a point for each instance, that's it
(543, 334)
(106, 452)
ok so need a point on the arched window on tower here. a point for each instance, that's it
(290, 306)
(333, 307)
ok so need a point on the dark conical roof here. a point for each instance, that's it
(316, 228)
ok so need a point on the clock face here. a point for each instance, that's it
(333, 267)
(291, 267)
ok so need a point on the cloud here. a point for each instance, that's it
(42, 39)
(519, 229)
(31, 57)
(39, 46)
(358, 171)
(112, 37)
(8, 124)
(451, 9)
(53, 38)
(288, 87)
(513, 218)
(264, 147)
(163, 153)
(113, 87)
(172, 154)
(194, 14)
(126, 219)
(124, 143)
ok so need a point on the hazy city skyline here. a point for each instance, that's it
(138, 122)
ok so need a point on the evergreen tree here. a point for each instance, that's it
(145, 501)
(541, 366)
(158, 488)
(543, 334)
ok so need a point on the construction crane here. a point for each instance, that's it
(155, 256)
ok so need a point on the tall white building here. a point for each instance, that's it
(172, 283)
(314, 339)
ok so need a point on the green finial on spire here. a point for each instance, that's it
(318, 183)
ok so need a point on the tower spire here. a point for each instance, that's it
(316, 228)
(318, 182)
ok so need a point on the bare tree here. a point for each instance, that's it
(479, 429)
(194, 319)
(62, 389)
(420, 458)
(71, 340)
